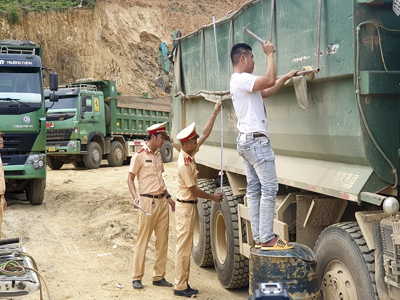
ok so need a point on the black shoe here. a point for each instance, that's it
(162, 282)
(137, 284)
(186, 293)
(196, 291)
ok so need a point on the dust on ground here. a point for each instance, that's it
(86, 213)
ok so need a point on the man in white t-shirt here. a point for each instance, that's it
(247, 92)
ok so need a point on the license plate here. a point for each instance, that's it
(52, 149)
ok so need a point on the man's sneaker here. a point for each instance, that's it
(137, 284)
(186, 293)
(162, 282)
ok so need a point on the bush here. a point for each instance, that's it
(11, 8)
(13, 15)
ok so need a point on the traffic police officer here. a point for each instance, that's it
(186, 208)
(147, 166)
(3, 203)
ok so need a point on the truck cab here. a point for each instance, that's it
(22, 118)
(76, 118)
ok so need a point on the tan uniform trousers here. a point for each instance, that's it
(1, 212)
(186, 215)
(159, 223)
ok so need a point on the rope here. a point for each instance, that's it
(222, 115)
(272, 19)
(201, 59)
(229, 48)
(394, 170)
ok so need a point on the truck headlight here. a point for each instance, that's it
(36, 160)
(72, 144)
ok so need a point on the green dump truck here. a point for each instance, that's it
(22, 118)
(336, 143)
(91, 122)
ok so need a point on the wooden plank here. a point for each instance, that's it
(281, 229)
(156, 104)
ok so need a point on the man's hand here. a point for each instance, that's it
(216, 197)
(4, 203)
(172, 203)
(217, 108)
(268, 48)
(290, 74)
(135, 202)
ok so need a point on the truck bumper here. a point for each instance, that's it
(67, 147)
(26, 171)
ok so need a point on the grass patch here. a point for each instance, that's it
(13, 8)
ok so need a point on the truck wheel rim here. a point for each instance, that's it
(337, 283)
(96, 155)
(118, 154)
(220, 237)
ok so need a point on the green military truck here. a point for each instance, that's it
(22, 118)
(91, 122)
(336, 138)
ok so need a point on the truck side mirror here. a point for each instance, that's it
(53, 82)
(88, 102)
(53, 97)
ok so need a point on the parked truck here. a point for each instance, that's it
(22, 117)
(91, 122)
(335, 134)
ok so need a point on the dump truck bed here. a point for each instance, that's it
(325, 148)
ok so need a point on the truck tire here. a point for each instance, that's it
(202, 252)
(78, 164)
(54, 163)
(35, 193)
(231, 266)
(107, 113)
(117, 156)
(346, 266)
(167, 153)
(93, 157)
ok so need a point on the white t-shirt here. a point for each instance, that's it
(249, 105)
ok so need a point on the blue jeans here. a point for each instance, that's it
(262, 184)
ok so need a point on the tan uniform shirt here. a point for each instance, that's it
(187, 175)
(2, 180)
(148, 168)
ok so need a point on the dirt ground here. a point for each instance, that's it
(86, 213)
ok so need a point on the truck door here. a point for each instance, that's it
(98, 111)
(88, 116)
(92, 114)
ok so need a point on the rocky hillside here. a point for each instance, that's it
(117, 40)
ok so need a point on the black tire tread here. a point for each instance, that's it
(208, 186)
(87, 158)
(78, 164)
(354, 231)
(111, 157)
(240, 276)
(107, 113)
(165, 158)
(54, 163)
(35, 193)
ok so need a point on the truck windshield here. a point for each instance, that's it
(21, 84)
(62, 104)
(20, 90)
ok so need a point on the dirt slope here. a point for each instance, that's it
(117, 40)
